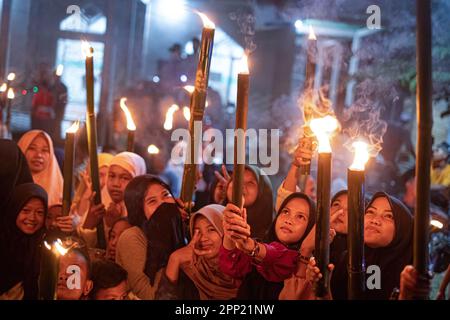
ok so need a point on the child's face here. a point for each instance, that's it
(116, 231)
(292, 221)
(53, 213)
(38, 155)
(73, 258)
(31, 218)
(119, 292)
(210, 239)
(250, 189)
(118, 179)
(156, 195)
(379, 224)
(339, 207)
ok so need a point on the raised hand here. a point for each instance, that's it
(220, 193)
(95, 213)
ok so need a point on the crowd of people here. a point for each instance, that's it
(154, 249)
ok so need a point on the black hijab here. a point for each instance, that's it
(13, 170)
(339, 244)
(260, 213)
(19, 252)
(254, 285)
(391, 259)
(164, 229)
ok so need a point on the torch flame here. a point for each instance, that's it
(187, 113)
(11, 76)
(152, 149)
(168, 124)
(189, 89)
(60, 248)
(208, 24)
(243, 65)
(11, 94)
(437, 224)
(323, 128)
(361, 155)
(312, 35)
(130, 123)
(3, 87)
(88, 51)
(59, 70)
(74, 127)
(49, 247)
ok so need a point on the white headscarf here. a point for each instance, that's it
(51, 178)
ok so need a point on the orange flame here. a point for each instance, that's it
(323, 128)
(3, 87)
(130, 123)
(74, 127)
(187, 113)
(361, 155)
(189, 89)
(88, 51)
(152, 149)
(208, 24)
(168, 123)
(312, 35)
(243, 65)
(11, 94)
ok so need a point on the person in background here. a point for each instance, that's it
(109, 281)
(39, 152)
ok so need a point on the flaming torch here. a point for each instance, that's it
(131, 126)
(323, 128)
(48, 278)
(168, 123)
(91, 126)
(355, 239)
(197, 107)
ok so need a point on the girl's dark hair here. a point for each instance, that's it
(272, 235)
(135, 194)
(106, 274)
(124, 219)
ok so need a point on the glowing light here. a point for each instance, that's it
(361, 155)
(74, 127)
(189, 89)
(88, 51)
(168, 123)
(156, 79)
(11, 76)
(172, 10)
(298, 24)
(208, 24)
(59, 70)
(130, 123)
(437, 224)
(11, 94)
(3, 87)
(183, 78)
(312, 35)
(60, 248)
(152, 149)
(323, 128)
(187, 113)
(243, 65)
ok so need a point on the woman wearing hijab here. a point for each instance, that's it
(257, 192)
(37, 147)
(122, 169)
(264, 266)
(157, 230)
(193, 271)
(388, 230)
(13, 170)
(21, 232)
(339, 222)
